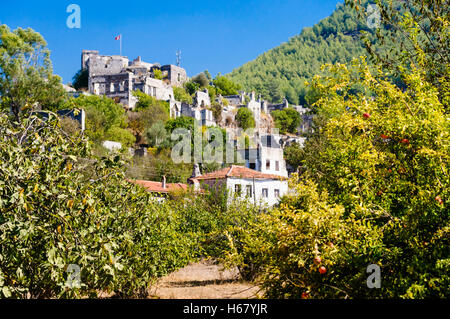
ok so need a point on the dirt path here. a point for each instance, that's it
(204, 280)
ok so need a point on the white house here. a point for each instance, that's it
(267, 157)
(245, 183)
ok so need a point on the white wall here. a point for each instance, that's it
(257, 188)
(162, 92)
(202, 99)
(273, 155)
(112, 146)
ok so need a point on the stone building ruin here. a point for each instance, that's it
(117, 77)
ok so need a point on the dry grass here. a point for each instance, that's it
(204, 280)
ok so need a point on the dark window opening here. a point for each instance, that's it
(277, 193)
(249, 191)
(237, 190)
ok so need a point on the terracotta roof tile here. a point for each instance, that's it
(237, 172)
(156, 187)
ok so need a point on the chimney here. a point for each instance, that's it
(196, 172)
(164, 185)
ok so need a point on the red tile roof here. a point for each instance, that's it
(156, 187)
(238, 172)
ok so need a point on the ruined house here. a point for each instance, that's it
(117, 77)
(200, 110)
(267, 155)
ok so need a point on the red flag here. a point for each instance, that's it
(118, 37)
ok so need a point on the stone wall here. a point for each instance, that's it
(116, 86)
(177, 76)
(202, 99)
(85, 56)
(101, 64)
(116, 77)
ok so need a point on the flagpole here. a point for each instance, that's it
(121, 45)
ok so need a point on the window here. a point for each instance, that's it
(237, 190)
(179, 77)
(268, 164)
(277, 193)
(249, 191)
(265, 192)
(252, 165)
(277, 166)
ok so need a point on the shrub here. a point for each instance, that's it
(225, 86)
(146, 101)
(81, 80)
(281, 248)
(379, 192)
(287, 120)
(245, 119)
(181, 95)
(61, 206)
(123, 136)
(102, 114)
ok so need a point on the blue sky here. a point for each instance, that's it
(216, 35)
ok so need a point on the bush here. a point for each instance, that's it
(102, 114)
(81, 80)
(123, 136)
(61, 206)
(381, 157)
(245, 119)
(285, 248)
(287, 120)
(210, 218)
(146, 101)
(201, 80)
(225, 86)
(181, 95)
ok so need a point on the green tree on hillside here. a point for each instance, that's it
(81, 80)
(182, 95)
(201, 79)
(102, 115)
(180, 122)
(283, 71)
(287, 120)
(225, 86)
(146, 101)
(245, 118)
(374, 187)
(157, 134)
(191, 87)
(420, 32)
(26, 75)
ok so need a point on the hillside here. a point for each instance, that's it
(282, 71)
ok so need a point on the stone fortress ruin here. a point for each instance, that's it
(117, 77)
